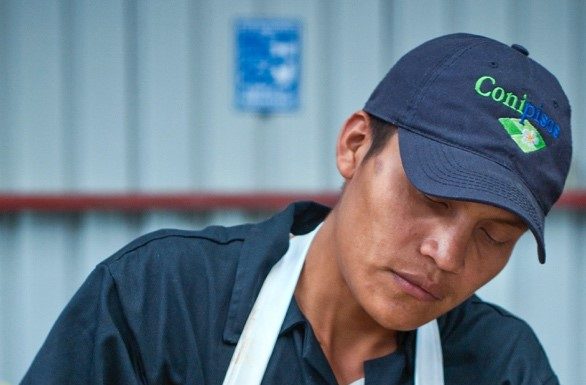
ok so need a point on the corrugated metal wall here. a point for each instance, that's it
(117, 95)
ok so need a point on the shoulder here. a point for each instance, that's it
(173, 239)
(480, 337)
(476, 314)
(167, 248)
(176, 264)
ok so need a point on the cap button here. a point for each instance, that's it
(521, 49)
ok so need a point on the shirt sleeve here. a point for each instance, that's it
(91, 342)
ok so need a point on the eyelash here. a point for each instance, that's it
(434, 200)
(491, 239)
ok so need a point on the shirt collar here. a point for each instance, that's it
(391, 363)
(264, 244)
(293, 318)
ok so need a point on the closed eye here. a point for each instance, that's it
(492, 239)
(437, 201)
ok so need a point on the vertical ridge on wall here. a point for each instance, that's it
(328, 91)
(490, 18)
(9, 297)
(387, 56)
(69, 80)
(536, 284)
(6, 167)
(230, 147)
(37, 95)
(164, 133)
(577, 86)
(132, 91)
(198, 100)
(577, 329)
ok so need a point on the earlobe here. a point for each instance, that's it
(353, 143)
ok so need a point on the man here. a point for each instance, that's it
(463, 146)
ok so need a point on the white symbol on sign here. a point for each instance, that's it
(283, 74)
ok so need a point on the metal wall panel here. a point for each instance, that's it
(125, 95)
(34, 80)
(97, 106)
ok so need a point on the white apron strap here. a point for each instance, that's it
(255, 346)
(429, 368)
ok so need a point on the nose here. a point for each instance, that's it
(448, 247)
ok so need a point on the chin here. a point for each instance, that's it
(401, 320)
(405, 325)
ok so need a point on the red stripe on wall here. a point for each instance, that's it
(137, 202)
(145, 202)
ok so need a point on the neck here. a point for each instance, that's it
(347, 335)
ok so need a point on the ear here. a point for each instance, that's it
(353, 143)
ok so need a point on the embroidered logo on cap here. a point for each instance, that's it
(524, 134)
(521, 130)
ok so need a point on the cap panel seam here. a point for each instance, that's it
(442, 65)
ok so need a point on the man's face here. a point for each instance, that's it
(407, 257)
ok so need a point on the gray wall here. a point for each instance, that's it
(101, 96)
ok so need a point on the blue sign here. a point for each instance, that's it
(268, 64)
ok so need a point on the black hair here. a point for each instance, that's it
(382, 131)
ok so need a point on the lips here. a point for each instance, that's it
(419, 286)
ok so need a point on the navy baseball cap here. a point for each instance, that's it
(480, 121)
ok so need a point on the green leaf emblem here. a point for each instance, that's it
(525, 135)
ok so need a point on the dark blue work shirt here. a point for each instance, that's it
(169, 308)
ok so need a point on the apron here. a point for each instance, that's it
(256, 343)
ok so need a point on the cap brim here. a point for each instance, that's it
(442, 170)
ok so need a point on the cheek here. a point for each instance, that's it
(363, 257)
(480, 274)
(395, 240)
(365, 264)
